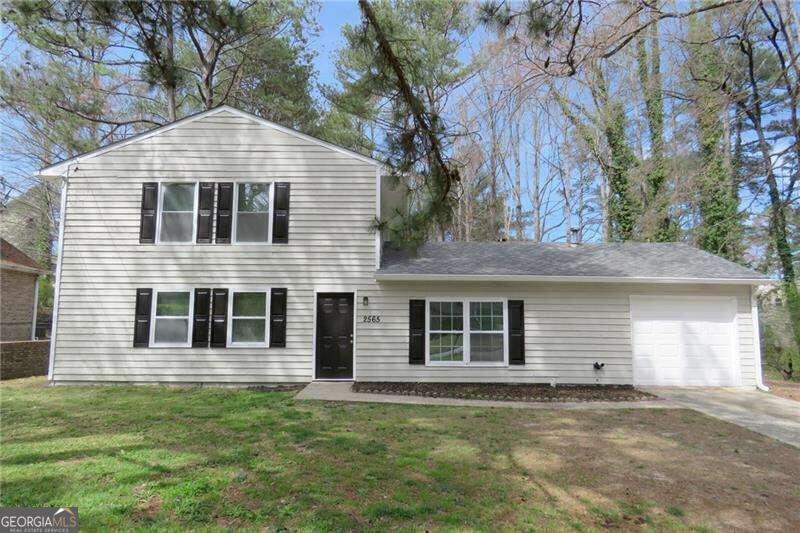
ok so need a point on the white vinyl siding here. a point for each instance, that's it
(568, 326)
(331, 246)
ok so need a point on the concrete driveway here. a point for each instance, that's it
(758, 411)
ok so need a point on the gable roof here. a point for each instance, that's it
(13, 258)
(611, 262)
(60, 168)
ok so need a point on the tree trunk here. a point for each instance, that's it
(535, 194)
(778, 226)
(171, 89)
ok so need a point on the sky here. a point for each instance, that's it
(332, 16)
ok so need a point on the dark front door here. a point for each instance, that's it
(335, 335)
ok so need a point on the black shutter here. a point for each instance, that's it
(224, 212)
(141, 326)
(416, 332)
(280, 215)
(516, 332)
(277, 318)
(219, 319)
(147, 222)
(204, 210)
(202, 308)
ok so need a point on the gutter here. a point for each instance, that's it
(757, 341)
(573, 279)
(57, 288)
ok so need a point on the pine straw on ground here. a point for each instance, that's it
(508, 391)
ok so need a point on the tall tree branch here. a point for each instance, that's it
(449, 174)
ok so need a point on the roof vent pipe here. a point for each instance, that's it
(574, 237)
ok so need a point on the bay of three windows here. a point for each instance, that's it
(178, 207)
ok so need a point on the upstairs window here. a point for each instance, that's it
(172, 318)
(248, 318)
(252, 210)
(177, 207)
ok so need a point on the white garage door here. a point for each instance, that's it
(683, 341)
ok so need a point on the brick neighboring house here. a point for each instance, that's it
(18, 293)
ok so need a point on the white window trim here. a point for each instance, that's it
(465, 332)
(154, 318)
(161, 185)
(235, 214)
(229, 328)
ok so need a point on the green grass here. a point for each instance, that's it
(205, 458)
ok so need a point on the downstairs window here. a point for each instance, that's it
(248, 318)
(172, 310)
(467, 332)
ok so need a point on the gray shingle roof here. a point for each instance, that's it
(612, 260)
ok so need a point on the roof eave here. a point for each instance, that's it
(385, 276)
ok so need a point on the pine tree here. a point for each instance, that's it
(397, 69)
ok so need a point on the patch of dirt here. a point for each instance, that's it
(627, 469)
(149, 508)
(228, 523)
(785, 389)
(508, 391)
(233, 493)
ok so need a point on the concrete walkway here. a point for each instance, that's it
(339, 391)
(757, 411)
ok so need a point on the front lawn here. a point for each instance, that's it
(157, 457)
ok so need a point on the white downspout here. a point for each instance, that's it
(757, 340)
(35, 306)
(57, 288)
(378, 239)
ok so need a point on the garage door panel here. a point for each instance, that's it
(719, 353)
(683, 341)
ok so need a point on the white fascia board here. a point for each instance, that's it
(59, 169)
(567, 279)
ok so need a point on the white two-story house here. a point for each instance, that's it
(226, 249)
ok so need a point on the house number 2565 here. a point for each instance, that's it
(371, 319)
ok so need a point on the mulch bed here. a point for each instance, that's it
(508, 391)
